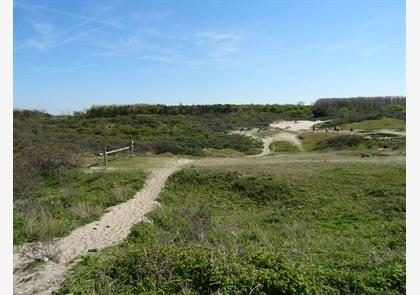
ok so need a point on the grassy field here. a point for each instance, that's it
(331, 141)
(283, 147)
(221, 153)
(384, 123)
(264, 226)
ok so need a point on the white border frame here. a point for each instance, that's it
(6, 140)
(413, 146)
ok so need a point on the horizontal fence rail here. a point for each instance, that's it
(106, 153)
(116, 151)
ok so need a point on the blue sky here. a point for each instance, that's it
(69, 55)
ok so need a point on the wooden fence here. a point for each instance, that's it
(106, 153)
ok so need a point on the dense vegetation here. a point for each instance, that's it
(286, 111)
(343, 110)
(337, 141)
(183, 129)
(263, 227)
(384, 123)
(175, 133)
(53, 195)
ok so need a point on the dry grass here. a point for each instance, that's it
(45, 227)
(83, 210)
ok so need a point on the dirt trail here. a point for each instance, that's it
(282, 135)
(110, 230)
(391, 131)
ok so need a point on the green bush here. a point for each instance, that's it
(261, 189)
(198, 270)
(33, 164)
(339, 142)
(360, 108)
(157, 129)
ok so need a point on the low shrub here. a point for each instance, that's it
(190, 270)
(32, 165)
(339, 142)
(261, 189)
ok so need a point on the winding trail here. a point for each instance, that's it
(281, 136)
(111, 229)
(115, 225)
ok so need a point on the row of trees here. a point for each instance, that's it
(385, 105)
(158, 109)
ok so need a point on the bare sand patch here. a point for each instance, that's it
(295, 125)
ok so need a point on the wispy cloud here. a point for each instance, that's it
(344, 45)
(219, 44)
(37, 71)
(44, 36)
(48, 35)
(132, 35)
(376, 49)
(93, 18)
(159, 46)
(365, 46)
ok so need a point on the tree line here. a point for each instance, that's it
(387, 105)
(194, 110)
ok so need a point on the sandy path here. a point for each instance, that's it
(281, 136)
(391, 131)
(299, 125)
(110, 230)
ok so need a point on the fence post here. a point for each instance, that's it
(132, 148)
(105, 156)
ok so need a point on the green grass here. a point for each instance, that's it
(223, 153)
(309, 140)
(283, 147)
(71, 199)
(263, 227)
(333, 141)
(140, 162)
(384, 123)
